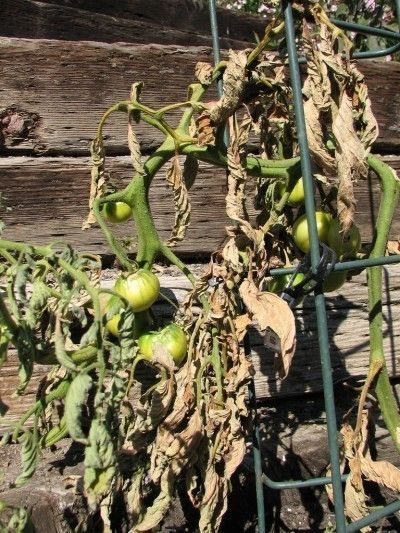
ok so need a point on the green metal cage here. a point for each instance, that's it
(336, 479)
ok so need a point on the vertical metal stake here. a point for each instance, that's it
(314, 250)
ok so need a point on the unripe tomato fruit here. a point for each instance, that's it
(116, 212)
(334, 281)
(300, 230)
(296, 197)
(344, 244)
(172, 338)
(141, 289)
(145, 343)
(279, 282)
(143, 322)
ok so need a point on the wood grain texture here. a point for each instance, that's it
(48, 198)
(56, 91)
(135, 21)
(348, 339)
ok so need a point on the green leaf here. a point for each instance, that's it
(75, 400)
(29, 457)
(100, 461)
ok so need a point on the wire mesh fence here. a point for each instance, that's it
(315, 258)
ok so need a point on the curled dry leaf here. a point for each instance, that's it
(134, 146)
(237, 179)
(203, 72)
(270, 311)
(338, 111)
(181, 201)
(205, 130)
(234, 79)
(99, 179)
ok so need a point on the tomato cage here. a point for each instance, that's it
(336, 479)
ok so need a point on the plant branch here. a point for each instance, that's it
(390, 185)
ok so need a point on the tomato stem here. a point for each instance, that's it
(390, 185)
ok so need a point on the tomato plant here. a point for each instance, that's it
(141, 289)
(117, 212)
(92, 389)
(300, 230)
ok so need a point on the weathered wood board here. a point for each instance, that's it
(348, 338)
(169, 22)
(48, 198)
(53, 93)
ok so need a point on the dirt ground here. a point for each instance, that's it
(293, 443)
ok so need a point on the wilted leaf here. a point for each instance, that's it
(340, 124)
(242, 322)
(270, 311)
(393, 247)
(205, 130)
(74, 402)
(134, 146)
(99, 181)
(237, 178)
(203, 72)
(29, 457)
(100, 461)
(234, 80)
(181, 200)
(355, 499)
(156, 512)
(381, 472)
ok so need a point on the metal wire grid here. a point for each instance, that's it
(336, 479)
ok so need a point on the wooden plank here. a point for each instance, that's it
(52, 93)
(111, 20)
(348, 338)
(131, 22)
(48, 200)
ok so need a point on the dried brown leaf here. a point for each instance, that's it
(203, 72)
(156, 512)
(174, 177)
(356, 501)
(270, 311)
(205, 130)
(393, 247)
(234, 79)
(98, 181)
(237, 178)
(381, 472)
(134, 146)
(242, 322)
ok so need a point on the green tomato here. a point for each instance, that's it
(112, 305)
(143, 322)
(344, 245)
(112, 325)
(141, 289)
(279, 282)
(334, 281)
(300, 230)
(116, 212)
(172, 338)
(145, 343)
(296, 197)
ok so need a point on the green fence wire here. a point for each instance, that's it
(336, 479)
